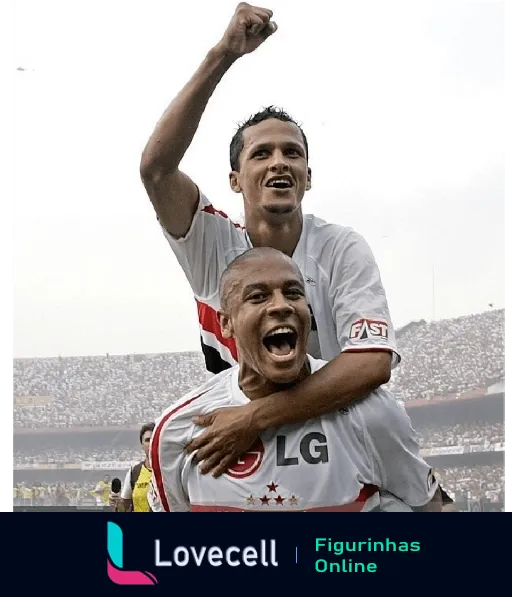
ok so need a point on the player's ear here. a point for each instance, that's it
(226, 328)
(234, 181)
(308, 180)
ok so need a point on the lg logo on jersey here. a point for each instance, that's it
(312, 449)
(249, 463)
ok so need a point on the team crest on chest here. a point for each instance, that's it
(249, 462)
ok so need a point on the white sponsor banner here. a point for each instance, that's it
(106, 465)
(480, 448)
(442, 450)
(32, 400)
(35, 465)
(496, 388)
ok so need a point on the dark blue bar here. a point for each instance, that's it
(419, 555)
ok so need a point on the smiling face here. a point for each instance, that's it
(273, 173)
(266, 311)
(145, 441)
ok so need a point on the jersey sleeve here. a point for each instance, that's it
(360, 307)
(167, 458)
(126, 490)
(155, 505)
(202, 251)
(395, 451)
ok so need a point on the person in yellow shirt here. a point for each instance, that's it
(26, 494)
(102, 491)
(133, 497)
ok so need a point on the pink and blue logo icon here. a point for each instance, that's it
(115, 570)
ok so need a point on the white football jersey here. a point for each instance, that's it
(361, 459)
(343, 285)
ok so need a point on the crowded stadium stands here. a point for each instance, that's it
(481, 480)
(102, 390)
(449, 357)
(474, 433)
(461, 482)
(462, 434)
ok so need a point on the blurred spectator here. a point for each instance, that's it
(53, 494)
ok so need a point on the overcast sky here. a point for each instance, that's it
(402, 104)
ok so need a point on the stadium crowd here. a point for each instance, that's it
(96, 453)
(463, 434)
(478, 481)
(103, 390)
(53, 494)
(451, 356)
(461, 482)
(442, 358)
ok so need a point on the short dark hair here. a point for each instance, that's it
(144, 428)
(237, 142)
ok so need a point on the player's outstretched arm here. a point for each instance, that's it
(173, 194)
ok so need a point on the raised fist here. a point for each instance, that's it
(247, 30)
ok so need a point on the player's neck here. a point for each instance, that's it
(254, 386)
(279, 232)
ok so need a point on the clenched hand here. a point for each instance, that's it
(249, 27)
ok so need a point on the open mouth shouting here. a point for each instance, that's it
(281, 343)
(280, 183)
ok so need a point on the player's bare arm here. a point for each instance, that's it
(232, 431)
(173, 194)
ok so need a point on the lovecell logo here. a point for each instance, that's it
(115, 561)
